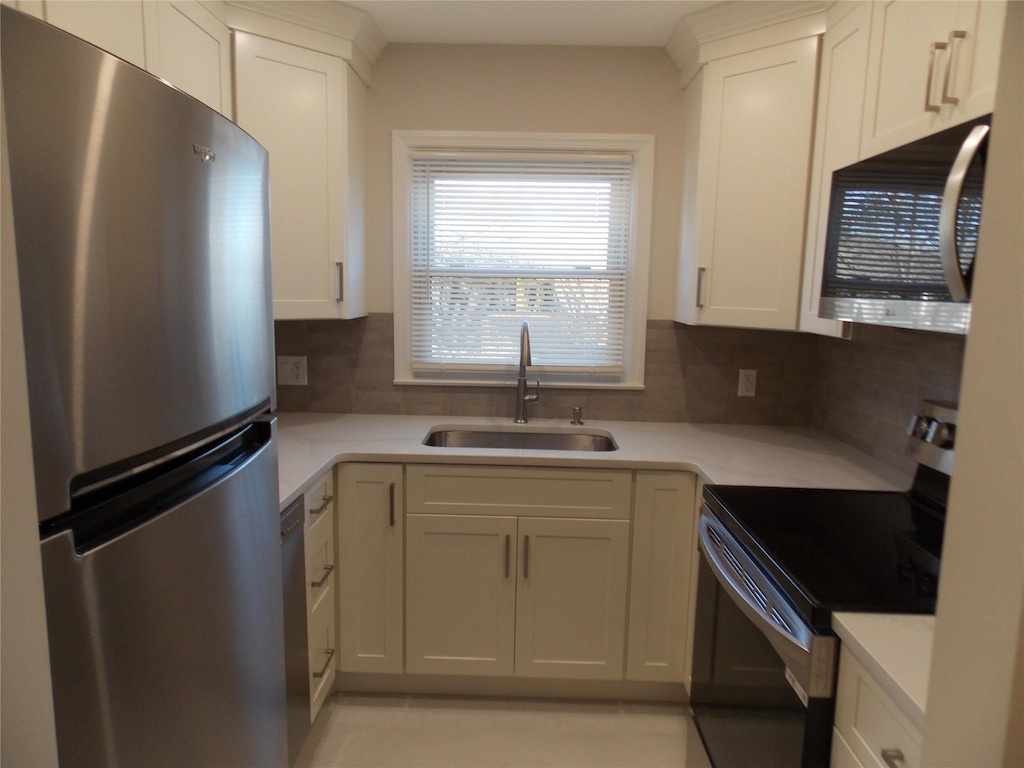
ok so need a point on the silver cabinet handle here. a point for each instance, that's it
(320, 510)
(526, 557)
(328, 569)
(947, 98)
(700, 286)
(508, 549)
(391, 505)
(948, 255)
(341, 281)
(893, 758)
(327, 664)
(928, 106)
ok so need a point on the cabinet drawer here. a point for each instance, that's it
(869, 721)
(319, 498)
(320, 562)
(518, 491)
(322, 651)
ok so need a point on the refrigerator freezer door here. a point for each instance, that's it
(166, 640)
(143, 251)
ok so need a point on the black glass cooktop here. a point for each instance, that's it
(831, 550)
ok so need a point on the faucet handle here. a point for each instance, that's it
(577, 415)
(535, 396)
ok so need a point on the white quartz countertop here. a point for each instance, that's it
(311, 443)
(896, 650)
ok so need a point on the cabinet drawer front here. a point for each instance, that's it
(322, 653)
(527, 491)
(868, 720)
(319, 498)
(320, 561)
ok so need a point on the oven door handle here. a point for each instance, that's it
(731, 581)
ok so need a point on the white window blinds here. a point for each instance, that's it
(496, 239)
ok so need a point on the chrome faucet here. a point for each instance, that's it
(522, 398)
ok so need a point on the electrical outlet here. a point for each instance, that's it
(748, 382)
(291, 371)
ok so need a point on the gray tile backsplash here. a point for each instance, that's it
(867, 388)
(861, 391)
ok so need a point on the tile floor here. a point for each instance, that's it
(424, 732)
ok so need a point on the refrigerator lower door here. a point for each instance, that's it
(166, 640)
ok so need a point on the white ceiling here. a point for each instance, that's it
(530, 22)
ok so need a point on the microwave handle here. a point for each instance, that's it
(955, 278)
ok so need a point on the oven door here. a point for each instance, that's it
(763, 682)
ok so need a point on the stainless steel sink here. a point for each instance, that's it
(467, 437)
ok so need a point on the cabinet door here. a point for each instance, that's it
(868, 720)
(370, 532)
(114, 27)
(843, 73)
(663, 552)
(190, 48)
(460, 594)
(294, 102)
(932, 64)
(757, 113)
(571, 598)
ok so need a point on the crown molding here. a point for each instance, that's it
(689, 44)
(327, 26)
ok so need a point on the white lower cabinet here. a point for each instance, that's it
(371, 524)
(517, 571)
(461, 594)
(528, 572)
(320, 589)
(870, 729)
(571, 598)
(664, 513)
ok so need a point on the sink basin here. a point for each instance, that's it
(468, 437)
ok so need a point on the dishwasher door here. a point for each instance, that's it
(296, 645)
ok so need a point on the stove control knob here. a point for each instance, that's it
(941, 434)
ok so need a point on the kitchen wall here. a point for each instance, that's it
(866, 388)
(691, 375)
(526, 88)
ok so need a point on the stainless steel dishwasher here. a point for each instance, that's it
(296, 645)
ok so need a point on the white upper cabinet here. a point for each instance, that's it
(932, 64)
(306, 108)
(114, 27)
(190, 48)
(180, 41)
(841, 79)
(747, 149)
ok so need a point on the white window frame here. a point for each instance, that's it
(640, 146)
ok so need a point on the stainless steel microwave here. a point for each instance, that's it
(903, 231)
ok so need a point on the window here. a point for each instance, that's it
(492, 230)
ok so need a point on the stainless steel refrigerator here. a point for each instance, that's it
(142, 231)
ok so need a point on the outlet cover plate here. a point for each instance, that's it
(748, 382)
(291, 371)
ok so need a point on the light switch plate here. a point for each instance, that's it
(291, 371)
